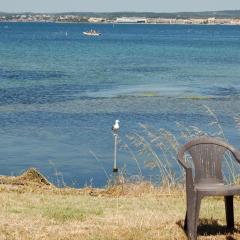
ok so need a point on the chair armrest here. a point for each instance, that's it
(188, 169)
(189, 179)
(181, 159)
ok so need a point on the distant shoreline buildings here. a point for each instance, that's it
(73, 18)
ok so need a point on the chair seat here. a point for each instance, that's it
(216, 189)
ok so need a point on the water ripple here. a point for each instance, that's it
(30, 74)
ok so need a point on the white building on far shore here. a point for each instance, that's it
(130, 20)
(96, 20)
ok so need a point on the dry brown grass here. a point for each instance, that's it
(127, 211)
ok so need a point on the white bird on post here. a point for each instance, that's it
(116, 127)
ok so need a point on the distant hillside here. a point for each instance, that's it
(217, 14)
(111, 15)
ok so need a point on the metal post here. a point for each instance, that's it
(115, 169)
(115, 131)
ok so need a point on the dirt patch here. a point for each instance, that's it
(129, 189)
(31, 177)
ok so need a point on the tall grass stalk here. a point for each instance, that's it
(99, 162)
(159, 148)
(57, 174)
(237, 119)
(126, 146)
(229, 162)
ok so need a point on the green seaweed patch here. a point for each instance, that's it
(198, 97)
(149, 94)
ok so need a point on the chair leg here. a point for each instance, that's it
(229, 212)
(196, 213)
(185, 223)
(190, 223)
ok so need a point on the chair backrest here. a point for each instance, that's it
(207, 155)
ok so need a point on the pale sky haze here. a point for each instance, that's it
(117, 5)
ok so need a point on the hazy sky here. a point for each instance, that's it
(117, 5)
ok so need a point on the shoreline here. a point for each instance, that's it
(114, 23)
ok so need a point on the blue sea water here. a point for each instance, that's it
(60, 93)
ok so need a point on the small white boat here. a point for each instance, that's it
(92, 33)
